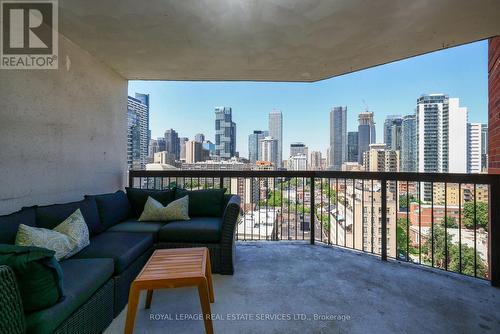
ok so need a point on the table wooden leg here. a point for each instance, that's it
(205, 306)
(208, 272)
(149, 298)
(133, 301)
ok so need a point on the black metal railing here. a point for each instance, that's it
(446, 221)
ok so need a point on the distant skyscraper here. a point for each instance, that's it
(199, 137)
(389, 122)
(476, 147)
(276, 131)
(298, 148)
(137, 131)
(209, 146)
(380, 159)
(352, 146)
(193, 151)
(172, 143)
(315, 161)
(156, 145)
(366, 133)
(297, 162)
(182, 148)
(441, 136)
(254, 144)
(338, 134)
(408, 155)
(225, 133)
(269, 150)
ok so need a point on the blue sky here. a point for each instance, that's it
(188, 107)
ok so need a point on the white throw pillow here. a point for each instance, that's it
(155, 211)
(77, 230)
(66, 239)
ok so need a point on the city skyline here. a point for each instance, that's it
(251, 102)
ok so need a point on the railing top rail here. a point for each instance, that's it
(388, 176)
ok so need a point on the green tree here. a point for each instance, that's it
(453, 259)
(403, 201)
(481, 215)
(451, 222)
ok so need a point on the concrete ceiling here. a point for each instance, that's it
(268, 40)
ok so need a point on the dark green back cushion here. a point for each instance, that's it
(113, 208)
(203, 203)
(39, 275)
(9, 224)
(138, 197)
(52, 215)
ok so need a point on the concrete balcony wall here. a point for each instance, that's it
(62, 132)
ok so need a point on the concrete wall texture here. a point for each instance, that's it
(62, 132)
(494, 105)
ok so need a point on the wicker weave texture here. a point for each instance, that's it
(11, 309)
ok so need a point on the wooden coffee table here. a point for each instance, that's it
(174, 268)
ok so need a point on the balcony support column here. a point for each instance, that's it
(494, 231)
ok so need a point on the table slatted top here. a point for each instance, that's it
(174, 263)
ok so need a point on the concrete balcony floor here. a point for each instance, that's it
(285, 279)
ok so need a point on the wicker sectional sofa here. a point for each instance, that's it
(97, 279)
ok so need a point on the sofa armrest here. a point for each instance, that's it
(230, 219)
(11, 308)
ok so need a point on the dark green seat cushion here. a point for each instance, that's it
(38, 275)
(82, 278)
(198, 229)
(113, 208)
(123, 247)
(132, 225)
(10, 223)
(138, 197)
(203, 203)
(52, 215)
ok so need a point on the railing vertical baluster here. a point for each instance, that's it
(372, 214)
(312, 229)
(303, 208)
(267, 207)
(383, 198)
(345, 212)
(329, 211)
(397, 205)
(445, 227)
(419, 223)
(296, 201)
(258, 204)
(281, 206)
(460, 228)
(475, 230)
(363, 215)
(321, 210)
(407, 220)
(288, 205)
(130, 179)
(432, 224)
(353, 213)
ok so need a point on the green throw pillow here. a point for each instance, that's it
(155, 211)
(66, 239)
(38, 274)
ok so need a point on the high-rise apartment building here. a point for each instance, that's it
(298, 148)
(477, 134)
(182, 148)
(155, 145)
(297, 162)
(254, 144)
(315, 161)
(137, 131)
(193, 151)
(366, 133)
(199, 137)
(352, 146)
(225, 133)
(380, 159)
(276, 131)
(392, 132)
(269, 150)
(172, 143)
(441, 136)
(408, 154)
(338, 134)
